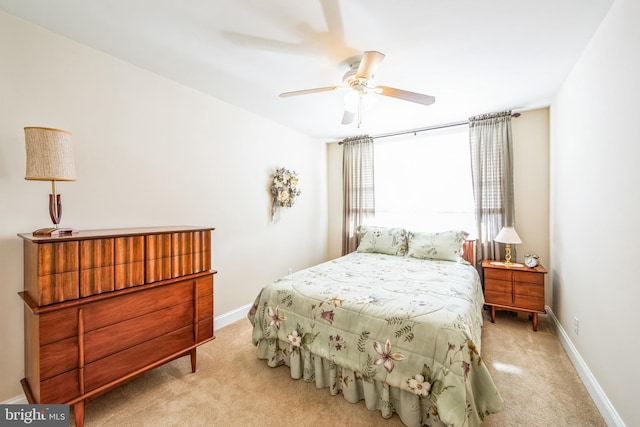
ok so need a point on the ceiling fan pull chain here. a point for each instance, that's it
(359, 109)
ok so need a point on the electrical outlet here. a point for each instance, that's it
(576, 325)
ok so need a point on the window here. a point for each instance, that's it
(423, 181)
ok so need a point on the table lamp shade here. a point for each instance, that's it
(49, 155)
(508, 235)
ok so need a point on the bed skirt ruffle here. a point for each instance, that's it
(412, 410)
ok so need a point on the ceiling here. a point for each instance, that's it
(474, 56)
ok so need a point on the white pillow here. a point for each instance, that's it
(445, 245)
(382, 240)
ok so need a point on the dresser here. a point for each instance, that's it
(514, 288)
(103, 306)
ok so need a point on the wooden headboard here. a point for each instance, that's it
(469, 251)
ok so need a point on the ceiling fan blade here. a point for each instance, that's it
(307, 91)
(405, 95)
(333, 18)
(370, 61)
(348, 117)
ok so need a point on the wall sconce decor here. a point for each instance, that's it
(284, 189)
(50, 158)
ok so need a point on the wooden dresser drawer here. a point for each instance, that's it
(61, 388)
(55, 325)
(111, 339)
(58, 287)
(58, 357)
(204, 290)
(129, 261)
(181, 254)
(158, 257)
(111, 368)
(115, 310)
(201, 251)
(205, 329)
(51, 272)
(205, 307)
(96, 266)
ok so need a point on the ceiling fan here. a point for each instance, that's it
(357, 79)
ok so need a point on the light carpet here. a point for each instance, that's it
(232, 387)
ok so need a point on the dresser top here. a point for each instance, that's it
(114, 232)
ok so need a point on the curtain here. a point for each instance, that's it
(358, 188)
(492, 176)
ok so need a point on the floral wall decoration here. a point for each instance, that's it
(284, 189)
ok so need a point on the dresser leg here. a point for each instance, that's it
(193, 360)
(535, 321)
(78, 412)
(493, 314)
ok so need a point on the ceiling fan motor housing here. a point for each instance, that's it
(351, 79)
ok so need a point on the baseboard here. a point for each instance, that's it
(18, 400)
(601, 400)
(230, 317)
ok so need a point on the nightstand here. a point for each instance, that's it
(514, 288)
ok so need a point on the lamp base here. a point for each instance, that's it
(55, 232)
(507, 264)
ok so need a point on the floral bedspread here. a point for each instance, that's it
(408, 328)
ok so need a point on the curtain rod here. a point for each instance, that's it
(414, 131)
(404, 132)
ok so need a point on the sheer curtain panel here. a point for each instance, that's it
(492, 171)
(358, 188)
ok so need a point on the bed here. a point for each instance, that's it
(396, 324)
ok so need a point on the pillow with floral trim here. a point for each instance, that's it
(382, 240)
(445, 245)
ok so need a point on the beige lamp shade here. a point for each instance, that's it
(508, 235)
(49, 155)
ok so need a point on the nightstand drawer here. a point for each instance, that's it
(529, 289)
(492, 273)
(493, 285)
(525, 276)
(497, 298)
(529, 303)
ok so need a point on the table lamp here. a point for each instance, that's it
(509, 236)
(50, 158)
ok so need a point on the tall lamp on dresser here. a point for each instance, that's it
(50, 158)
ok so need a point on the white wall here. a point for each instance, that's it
(148, 152)
(595, 206)
(530, 134)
